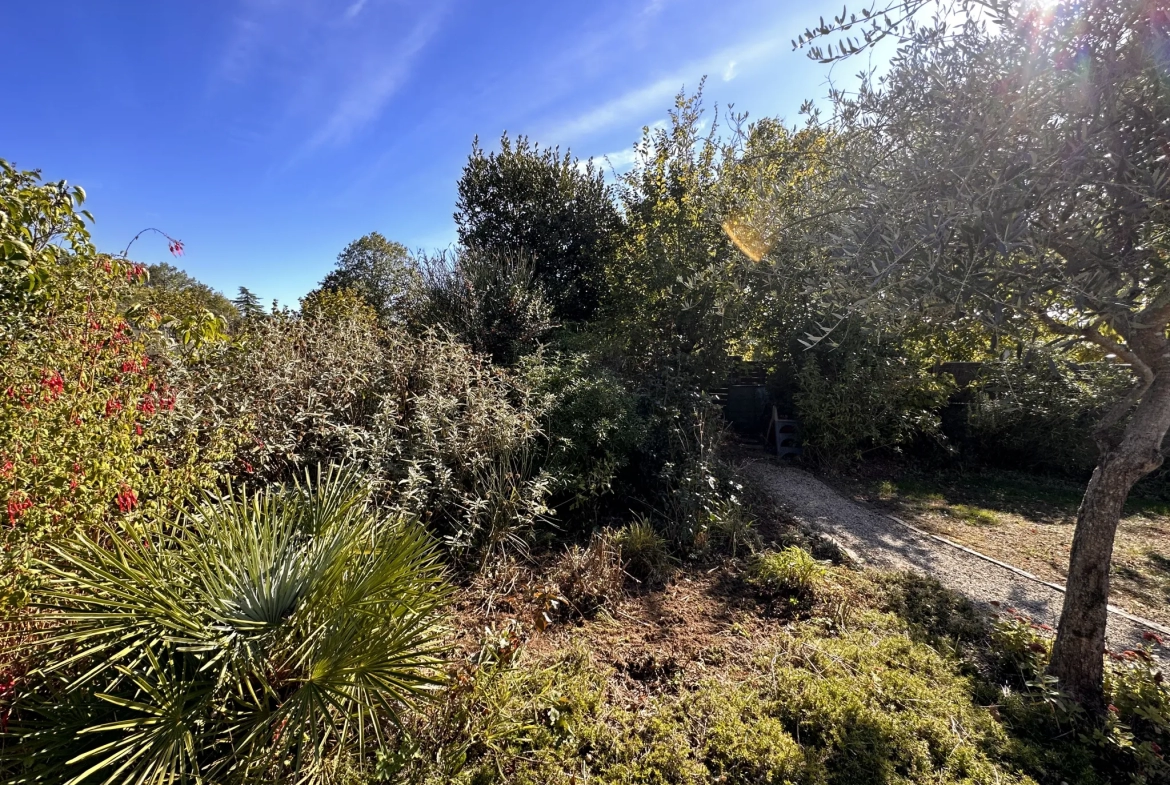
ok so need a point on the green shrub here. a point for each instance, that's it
(303, 390)
(1125, 746)
(263, 637)
(792, 571)
(92, 427)
(644, 552)
(731, 527)
(591, 424)
(1041, 411)
(680, 474)
(862, 394)
(447, 436)
(490, 300)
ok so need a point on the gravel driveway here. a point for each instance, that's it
(882, 542)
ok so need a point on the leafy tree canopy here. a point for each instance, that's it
(533, 200)
(174, 291)
(1016, 173)
(380, 270)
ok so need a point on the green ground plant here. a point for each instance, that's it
(895, 696)
(792, 573)
(265, 634)
(644, 552)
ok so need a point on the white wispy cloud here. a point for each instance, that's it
(241, 49)
(618, 161)
(637, 103)
(354, 9)
(317, 74)
(730, 72)
(367, 95)
(632, 104)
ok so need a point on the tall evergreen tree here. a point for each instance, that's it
(531, 200)
(248, 304)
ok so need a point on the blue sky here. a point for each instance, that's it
(266, 134)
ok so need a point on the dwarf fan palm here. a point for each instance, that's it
(267, 634)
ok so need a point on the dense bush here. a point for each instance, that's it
(679, 474)
(446, 434)
(592, 425)
(303, 390)
(267, 635)
(1040, 411)
(490, 300)
(91, 427)
(861, 393)
(677, 282)
(525, 199)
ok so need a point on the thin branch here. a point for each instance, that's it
(1093, 333)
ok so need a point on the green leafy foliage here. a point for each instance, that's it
(269, 634)
(644, 552)
(1041, 411)
(172, 291)
(381, 272)
(490, 300)
(91, 425)
(529, 201)
(862, 394)
(677, 282)
(791, 572)
(1124, 746)
(446, 434)
(593, 426)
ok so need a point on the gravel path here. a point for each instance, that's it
(879, 541)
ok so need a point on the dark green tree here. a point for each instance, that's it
(248, 304)
(533, 200)
(379, 270)
(487, 299)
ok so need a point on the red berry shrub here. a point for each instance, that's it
(88, 422)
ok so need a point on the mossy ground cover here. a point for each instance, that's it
(708, 679)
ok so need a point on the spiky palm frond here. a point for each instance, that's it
(264, 634)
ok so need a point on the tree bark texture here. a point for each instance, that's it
(1078, 655)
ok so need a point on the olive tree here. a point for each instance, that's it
(1014, 169)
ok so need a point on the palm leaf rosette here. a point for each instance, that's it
(267, 635)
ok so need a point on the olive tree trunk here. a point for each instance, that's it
(1078, 655)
